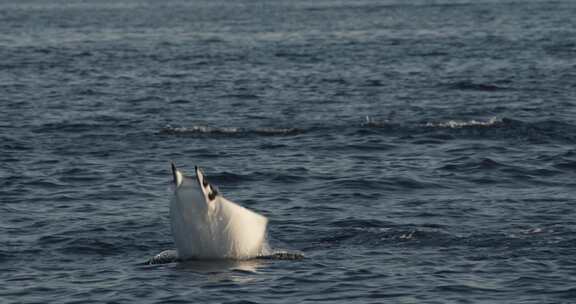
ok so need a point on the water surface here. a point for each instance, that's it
(416, 152)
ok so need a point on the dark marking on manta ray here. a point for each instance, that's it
(174, 174)
(212, 194)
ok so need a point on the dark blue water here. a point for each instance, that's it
(415, 151)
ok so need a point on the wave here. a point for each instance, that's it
(497, 128)
(283, 177)
(493, 122)
(371, 122)
(228, 131)
(374, 234)
(493, 128)
(473, 86)
(453, 124)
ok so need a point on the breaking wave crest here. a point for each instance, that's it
(539, 131)
(492, 128)
(454, 124)
(228, 131)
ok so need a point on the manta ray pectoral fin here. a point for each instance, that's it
(176, 175)
(210, 192)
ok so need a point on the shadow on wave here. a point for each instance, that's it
(474, 86)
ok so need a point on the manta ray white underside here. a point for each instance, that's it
(205, 225)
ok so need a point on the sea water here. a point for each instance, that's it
(414, 151)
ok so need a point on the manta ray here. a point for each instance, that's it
(207, 226)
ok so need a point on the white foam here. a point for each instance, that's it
(228, 130)
(199, 129)
(463, 124)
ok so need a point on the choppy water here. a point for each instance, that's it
(415, 151)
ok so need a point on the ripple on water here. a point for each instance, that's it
(411, 156)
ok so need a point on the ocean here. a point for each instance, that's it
(414, 151)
